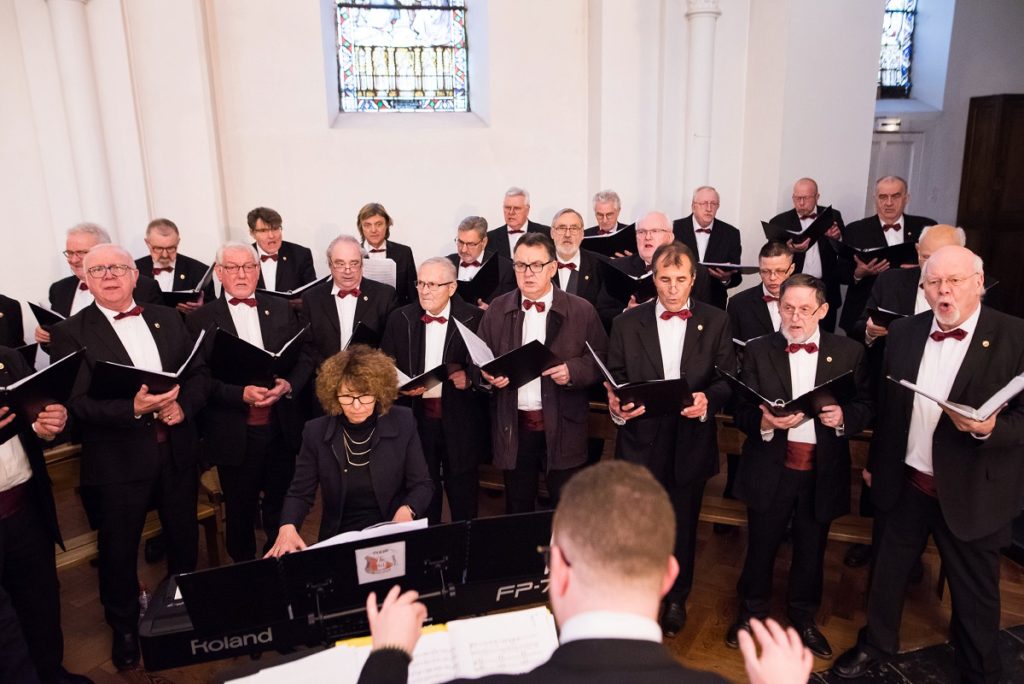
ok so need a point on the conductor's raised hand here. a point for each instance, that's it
(783, 660)
(398, 621)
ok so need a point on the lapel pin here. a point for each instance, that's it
(828, 359)
(284, 258)
(365, 298)
(1, 314)
(156, 325)
(985, 343)
(181, 277)
(2, 366)
(266, 312)
(700, 326)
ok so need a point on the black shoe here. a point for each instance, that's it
(674, 618)
(917, 572)
(65, 677)
(853, 664)
(857, 556)
(155, 549)
(732, 637)
(814, 640)
(125, 650)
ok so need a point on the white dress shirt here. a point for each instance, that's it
(376, 255)
(82, 299)
(134, 333)
(165, 279)
(607, 624)
(803, 368)
(346, 307)
(513, 238)
(14, 466)
(773, 308)
(940, 364)
(812, 257)
(269, 270)
(702, 238)
(535, 326)
(671, 334)
(467, 272)
(893, 237)
(565, 273)
(247, 322)
(433, 346)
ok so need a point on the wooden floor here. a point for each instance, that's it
(711, 606)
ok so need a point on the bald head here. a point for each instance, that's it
(934, 238)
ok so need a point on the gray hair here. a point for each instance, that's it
(93, 229)
(659, 216)
(608, 196)
(893, 178)
(111, 246)
(961, 236)
(234, 245)
(518, 192)
(979, 265)
(444, 263)
(477, 224)
(705, 187)
(344, 238)
(567, 210)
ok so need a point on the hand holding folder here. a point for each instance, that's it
(519, 366)
(119, 381)
(835, 392)
(657, 397)
(28, 398)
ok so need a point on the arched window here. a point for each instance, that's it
(399, 56)
(897, 49)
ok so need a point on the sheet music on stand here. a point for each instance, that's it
(371, 532)
(382, 270)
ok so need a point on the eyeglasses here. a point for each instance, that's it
(362, 399)
(607, 216)
(803, 198)
(803, 311)
(567, 229)
(117, 270)
(234, 268)
(777, 272)
(955, 281)
(513, 210)
(470, 245)
(339, 265)
(430, 287)
(894, 197)
(650, 233)
(708, 204)
(264, 231)
(535, 267)
(164, 250)
(76, 253)
(545, 552)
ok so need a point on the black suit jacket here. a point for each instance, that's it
(464, 418)
(223, 422)
(596, 230)
(571, 322)
(497, 238)
(397, 469)
(294, 267)
(12, 369)
(116, 446)
(587, 661)
(62, 293)
(506, 275)
(673, 444)
(405, 270)
(829, 261)
(868, 233)
(766, 369)
(980, 483)
(609, 307)
(724, 247)
(12, 328)
(586, 281)
(748, 314)
(187, 274)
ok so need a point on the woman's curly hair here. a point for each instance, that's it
(364, 370)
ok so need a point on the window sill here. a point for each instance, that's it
(407, 120)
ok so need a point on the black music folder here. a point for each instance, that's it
(428, 379)
(621, 286)
(522, 365)
(896, 255)
(836, 391)
(658, 397)
(297, 292)
(52, 385)
(175, 297)
(363, 334)
(818, 227)
(28, 352)
(45, 317)
(612, 244)
(483, 283)
(745, 270)
(119, 381)
(882, 317)
(237, 362)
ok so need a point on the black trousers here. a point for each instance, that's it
(686, 500)
(972, 568)
(793, 500)
(521, 481)
(460, 485)
(31, 641)
(121, 508)
(242, 484)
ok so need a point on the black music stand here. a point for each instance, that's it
(235, 597)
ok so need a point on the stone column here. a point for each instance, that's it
(701, 16)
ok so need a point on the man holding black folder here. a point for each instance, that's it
(284, 265)
(471, 253)
(673, 336)
(578, 271)
(134, 448)
(541, 426)
(451, 418)
(516, 209)
(795, 469)
(171, 270)
(251, 432)
(712, 241)
(607, 207)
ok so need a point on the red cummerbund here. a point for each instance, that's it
(531, 421)
(799, 456)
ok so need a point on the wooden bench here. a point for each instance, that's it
(63, 463)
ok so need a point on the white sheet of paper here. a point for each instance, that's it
(372, 532)
(477, 348)
(381, 270)
(505, 643)
(983, 413)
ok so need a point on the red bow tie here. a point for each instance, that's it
(157, 270)
(345, 293)
(682, 314)
(601, 231)
(808, 216)
(427, 318)
(768, 298)
(248, 301)
(809, 347)
(703, 230)
(957, 334)
(571, 267)
(136, 311)
(890, 226)
(529, 304)
(378, 250)
(82, 286)
(265, 257)
(516, 232)
(470, 264)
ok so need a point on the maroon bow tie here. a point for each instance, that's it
(703, 230)
(378, 250)
(768, 298)
(157, 270)
(809, 347)
(890, 226)
(516, 232)
(529, 304)
(82, 286)
(601, 231)
(808, 216)
(248, 301)
(470, 264)
(265, 257)
(571, 267)
(345, 293)
(957, 334)
(136, 311)
(682, 314)
(427, 318)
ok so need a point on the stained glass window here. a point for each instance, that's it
(402, 56)
(897, 48)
